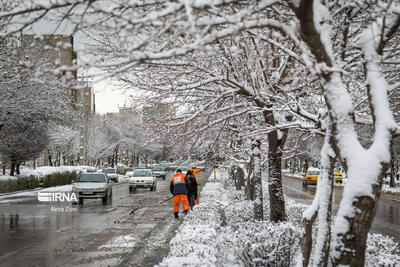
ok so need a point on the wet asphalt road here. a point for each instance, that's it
(387, 218)
(133, 229)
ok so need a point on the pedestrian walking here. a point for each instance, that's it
(179, 189)
(192, 188)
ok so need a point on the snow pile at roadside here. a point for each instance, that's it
(221, 232)
(391, 190)
(47, 170)
(195, 243)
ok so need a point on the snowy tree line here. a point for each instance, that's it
(242, 74)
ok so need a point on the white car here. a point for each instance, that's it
(160, 172)
(143, 178)
(92, 185)
(111, 174)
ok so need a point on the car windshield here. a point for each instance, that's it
(109, 170)
(313, 173)
(141, 173)
(159, 169)
(91, 178)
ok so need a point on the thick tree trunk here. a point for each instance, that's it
(276, 197)
(352, 252)
(257, 182)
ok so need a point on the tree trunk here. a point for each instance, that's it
(305, 166)
(17, 168)
(276, 198)
(257, 182)
(4, 168)
(240, 178)
(352, 252)
(249, 185)
(50, 160)
(12, 168)
(325, 212)
(306, 241)
(392, 182)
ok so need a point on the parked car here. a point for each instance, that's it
(143, 178)
(91, 185)
(160, 172)
(111, 174)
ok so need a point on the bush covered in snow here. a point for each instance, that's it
(18, 183)
(381, 251)
(41, 177)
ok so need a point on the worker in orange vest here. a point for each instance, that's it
(179, 188)
(195, 171)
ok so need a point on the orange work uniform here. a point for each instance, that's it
(178, 188)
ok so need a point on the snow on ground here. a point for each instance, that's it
(391, 190)
(122, 241)
(221, 232)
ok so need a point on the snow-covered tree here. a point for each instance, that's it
(350, 47)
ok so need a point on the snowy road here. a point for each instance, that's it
(32, 234)
(387, 218)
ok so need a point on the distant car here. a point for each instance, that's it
(311, 177)
(143, 178)
(91, 169)
(121, 169)
(92, 185)
(160, 172)
(172, 166)
(338, 177)
(111, 174)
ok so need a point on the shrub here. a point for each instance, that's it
(381, 251)
(56, 179)
(19, 183)
(32, 181)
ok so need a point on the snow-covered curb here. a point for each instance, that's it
(33, 193)
(221, 232)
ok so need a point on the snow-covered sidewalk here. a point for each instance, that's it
(221, 232)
